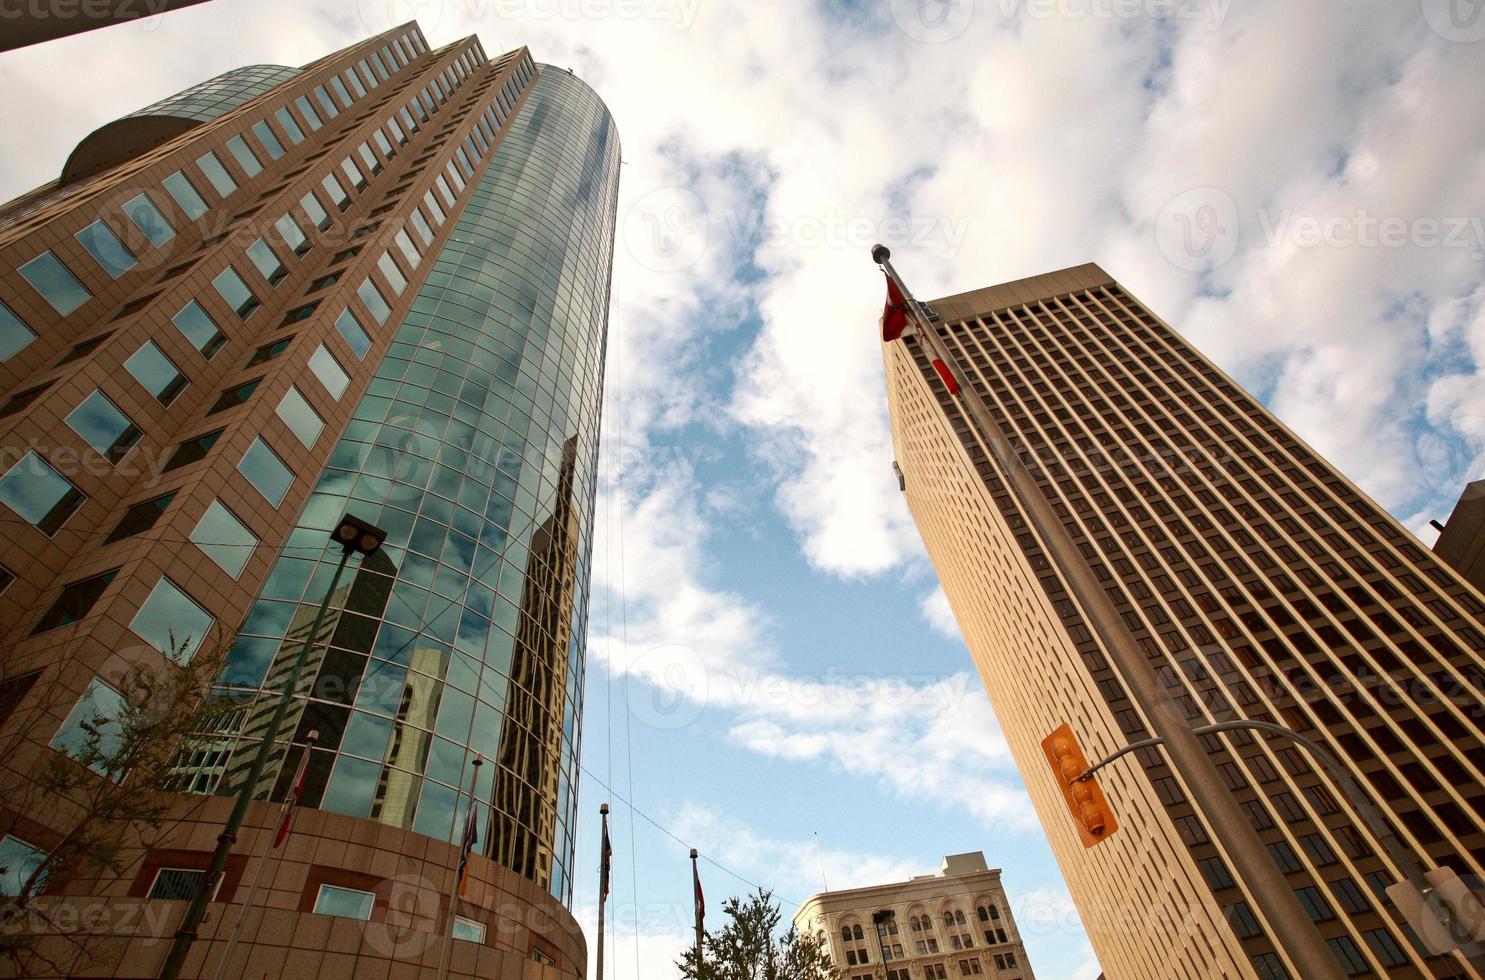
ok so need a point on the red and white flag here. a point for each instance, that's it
(296, 789)
(895, 321)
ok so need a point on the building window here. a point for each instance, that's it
(369, 158)
(267, 262)
(234, 396)
(76, 600)
(308, 112)
(289, 231)
(140, 518)
(171, 622)
(329, 371)
(289, 125)
(969, 967)
(243, 154)
(354, 175)
(14, 334)
(185, 195)
(216, 174)
(106, 249)
(159, 376)
(267, 139)
(176, 884)
(199, 328)
(375, 303)
(316, 211)
(266, 472)
(326, 103)
(234, 291)
(338, 195)
(269, 351)
(1386, 948)
(224, 539)
(300, 417)
(103, 426)
(39, 493)
(91, 729)
(1316, 907)
(18, 862)
(347, 903)
(1241, 918)
(55, 282)
(1348, 956)
(1349, 897)
(1284, 857)
(468, 930)
(393, 275)
(191, 451)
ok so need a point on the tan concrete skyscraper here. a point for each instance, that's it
(1261, 584)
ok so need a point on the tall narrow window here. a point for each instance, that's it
(316, 211)
(244, 156)
(268, 139)
(329, 371)
(267, 262)
(55, 282)
(216, 173)
(14, 334)
(185, 195)
(376, 304)
(234, 291)
(301, 418)
(290, 126)
(355, 335)
(288, 230)
(148, 219)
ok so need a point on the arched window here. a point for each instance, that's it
(915, 924)
(984, 913)
(857, 933)
(845, 933)
(959, 917)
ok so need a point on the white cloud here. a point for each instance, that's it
(934, 608)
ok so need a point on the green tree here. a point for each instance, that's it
(109, 790)
(749, 947)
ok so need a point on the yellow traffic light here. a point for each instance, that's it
(1085, 799)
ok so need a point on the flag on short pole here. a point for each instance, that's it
(699, 897)
(467, 841)
(606, 860)
(895, 323)
(296, 789)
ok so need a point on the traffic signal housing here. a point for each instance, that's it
(1085, 800)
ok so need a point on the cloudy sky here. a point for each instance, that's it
(1298, 187)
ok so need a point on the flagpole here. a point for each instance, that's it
(696, 903)
(291, 799)
(448, 931)
(1295, 934)
(603, 871)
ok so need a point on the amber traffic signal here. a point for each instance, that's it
(1095, 820)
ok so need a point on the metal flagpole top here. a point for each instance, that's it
(694, 855)
(603, 809)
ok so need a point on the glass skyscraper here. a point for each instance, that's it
(375, 285)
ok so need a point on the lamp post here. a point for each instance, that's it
(354, 536)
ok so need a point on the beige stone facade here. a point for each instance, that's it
(1262, 584)
(957, 923)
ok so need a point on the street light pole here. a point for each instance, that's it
(1294, 933)
(354, 536)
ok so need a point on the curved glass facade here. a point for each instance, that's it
(216, 96)
(475, 448)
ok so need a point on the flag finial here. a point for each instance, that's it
(880, 254)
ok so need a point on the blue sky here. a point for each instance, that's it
(1298, 188)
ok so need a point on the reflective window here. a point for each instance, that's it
(383, 144)
(199, 328)
(338, 195)
(339, 87)
(355, 335)
(420, 225)
(244, 156)
(394, 276)
(397, 132)
(268, 139)
(348, 166)
(374, 301)
(14, 334)
(300, 417)
(266, 472)
(326, 103)
(179, 187)
(347, 903)
(315, 210)
(39, 493)
(433, 208)
(355, 81)
(267, 261)
(75, 602)
(191, 451)
(443, 188)
(160, 377)
(55, 282)
(308, 112)
(18, 862)
(148, 219)
(269, 351)
(329, 371)
(91, 730)
(139, 518)
(381, 69)
(103, 426)
(468, 930)
(171, 622)
(224, 539)
(290, 126)
(409, 250)
(288, 230)
(216, 173)
(234, 291)
(367, 157)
